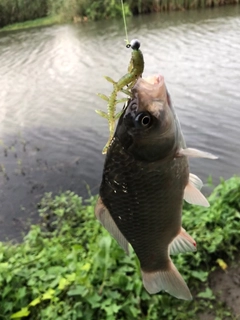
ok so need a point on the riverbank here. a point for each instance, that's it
(69, 267)
(40, 22)
(16, 14)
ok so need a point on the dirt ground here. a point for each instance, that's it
(226, 285)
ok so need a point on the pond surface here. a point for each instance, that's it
(51, 138)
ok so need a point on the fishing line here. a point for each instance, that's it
(125, 26)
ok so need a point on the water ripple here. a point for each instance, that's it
(49, 78)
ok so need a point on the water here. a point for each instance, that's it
(52, 138)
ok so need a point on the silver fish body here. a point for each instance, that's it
(145, 177)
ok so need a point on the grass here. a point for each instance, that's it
(69, 267)
(18, 14)
(46, 21)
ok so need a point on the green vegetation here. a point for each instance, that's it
(69, 267)
(12, 11)
(33, 23)
(15, 11)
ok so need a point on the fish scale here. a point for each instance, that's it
(147, 209)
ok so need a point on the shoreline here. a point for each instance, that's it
(59, 19)
(69, 260)
(40, 22)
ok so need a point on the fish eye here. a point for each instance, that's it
(143, 119)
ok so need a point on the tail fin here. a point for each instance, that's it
(168, 280)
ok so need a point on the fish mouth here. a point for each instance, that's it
(155, 79)
(150, 88)
(145, 92)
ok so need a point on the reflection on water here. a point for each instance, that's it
(51, 136)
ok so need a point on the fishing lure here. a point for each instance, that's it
(135, 70)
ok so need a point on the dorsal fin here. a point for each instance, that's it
(103, 215)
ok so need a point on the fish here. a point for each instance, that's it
(145, 179)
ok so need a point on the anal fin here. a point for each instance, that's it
(182, 243)
(103, 215)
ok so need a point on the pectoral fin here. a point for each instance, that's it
(195, 153)
(103, 215)
(193, 195)
(182, 243)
